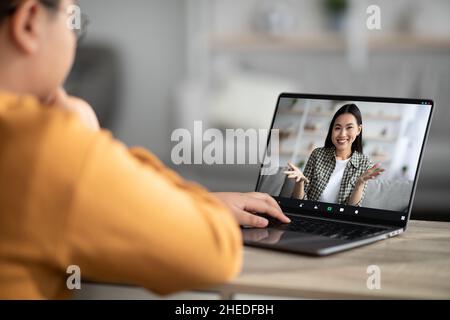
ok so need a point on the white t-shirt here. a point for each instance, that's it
(331, 192)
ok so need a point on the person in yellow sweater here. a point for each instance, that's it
(72, 195)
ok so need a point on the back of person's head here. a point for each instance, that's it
(7, 7)
(38, 48)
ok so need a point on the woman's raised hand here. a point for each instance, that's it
(371, 173)
(295, 173)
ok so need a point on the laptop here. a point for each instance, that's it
(337, 209)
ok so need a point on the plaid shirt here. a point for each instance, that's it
(321, 165)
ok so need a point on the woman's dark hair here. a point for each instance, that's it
(354, 110)
(7, 7)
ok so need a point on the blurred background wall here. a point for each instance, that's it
(135, 52)
(150, 66)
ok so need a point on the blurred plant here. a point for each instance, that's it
(404, 170)
(294, 102)
(335, 6)
(300, 164)
(336, 11)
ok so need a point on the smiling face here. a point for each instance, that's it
(344, 132)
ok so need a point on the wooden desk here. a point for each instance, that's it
(414, 265)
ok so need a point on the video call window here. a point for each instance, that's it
(385, 141)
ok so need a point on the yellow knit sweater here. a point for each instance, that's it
(73, 196)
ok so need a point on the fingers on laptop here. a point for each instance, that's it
(268, 206)
(249, 219)
(266, 197)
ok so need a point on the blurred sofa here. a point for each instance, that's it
(388, 194)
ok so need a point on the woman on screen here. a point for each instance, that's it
(339, 171)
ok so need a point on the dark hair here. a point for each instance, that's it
(7, 7)
(354, 110)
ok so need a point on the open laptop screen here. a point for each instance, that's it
(350, 158)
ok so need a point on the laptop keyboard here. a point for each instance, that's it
(330, 229)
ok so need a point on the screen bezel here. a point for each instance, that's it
(289, 205)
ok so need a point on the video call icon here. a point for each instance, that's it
(341, 209)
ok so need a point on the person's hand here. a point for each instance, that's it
(370, 173)
(82, 108)
(295, 173)
(245, 205)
